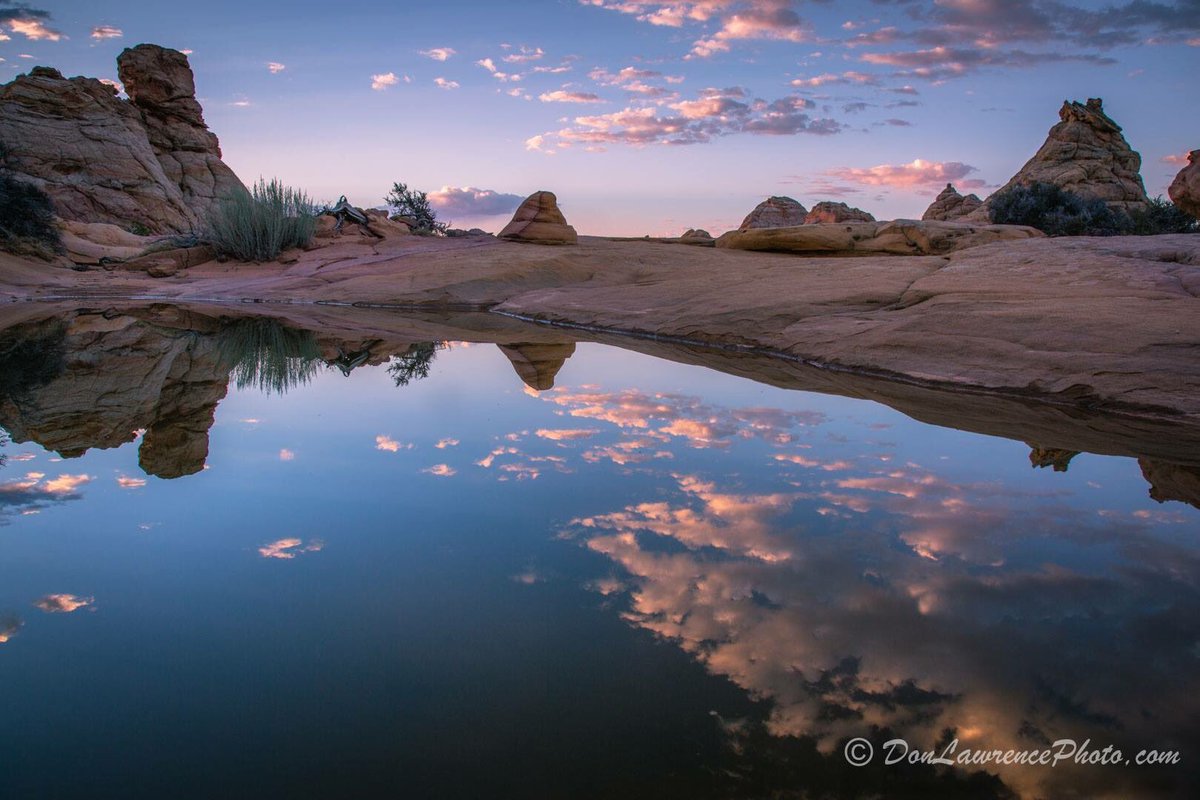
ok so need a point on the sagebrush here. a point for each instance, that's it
(415, 206)
(260, 224)
(1058, 212)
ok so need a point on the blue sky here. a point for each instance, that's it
(648, 117)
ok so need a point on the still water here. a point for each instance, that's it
(239, 559)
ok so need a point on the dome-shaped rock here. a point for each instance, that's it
(539, 221)
(775, 212)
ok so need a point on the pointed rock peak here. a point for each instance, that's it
(539, 221)
(1086, 153)
(775, 212)
(1089, 113)
(951, 205)
(538, 364)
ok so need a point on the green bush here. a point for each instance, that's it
(415, 206)
(1055, 211)
(1161, 216)
(27, 220)
(1058, 212)
(260, 224)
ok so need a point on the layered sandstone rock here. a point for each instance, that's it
(538, 364)
(1085, 153)
(100, 242)
(775, 212)
(827, 212)
(950, 205)
(901, 237)
(1185, 189)
(698, 237)
(147, 163)
(538, 221)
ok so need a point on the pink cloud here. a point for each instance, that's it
(560, 96)
(34, 29)
(917, 173)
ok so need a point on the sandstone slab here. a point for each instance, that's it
(901, 237)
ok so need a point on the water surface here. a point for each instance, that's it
(243, 559)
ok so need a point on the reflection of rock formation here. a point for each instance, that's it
(538, 364)
(1172, 481)
(122, 376)
(1042, 457)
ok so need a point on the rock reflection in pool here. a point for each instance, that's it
(602, 575)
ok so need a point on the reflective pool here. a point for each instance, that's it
(244, 558)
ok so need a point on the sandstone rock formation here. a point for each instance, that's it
(698, 237)
(538, 221)
(538, 364)
(775, 212)
(149, 162)
(1185, 189)
(951, 205)
(1085, 153)
(901, 237)
(827, 211)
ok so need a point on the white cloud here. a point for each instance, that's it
(439, 53)
(382, 81)
(107, 32)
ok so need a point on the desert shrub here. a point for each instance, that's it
(27, 219)
(1161, 216)
(415, 206)
(260, 224)
(1055, 211)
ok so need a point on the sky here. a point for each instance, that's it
(644, 117)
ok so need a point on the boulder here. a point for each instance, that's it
(775, 212)
(698, 237)
(951, 205)
(538, 221)
(1085, 153)
(149, 162)
(1185, 189)
(901, 237)
(827, 211)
